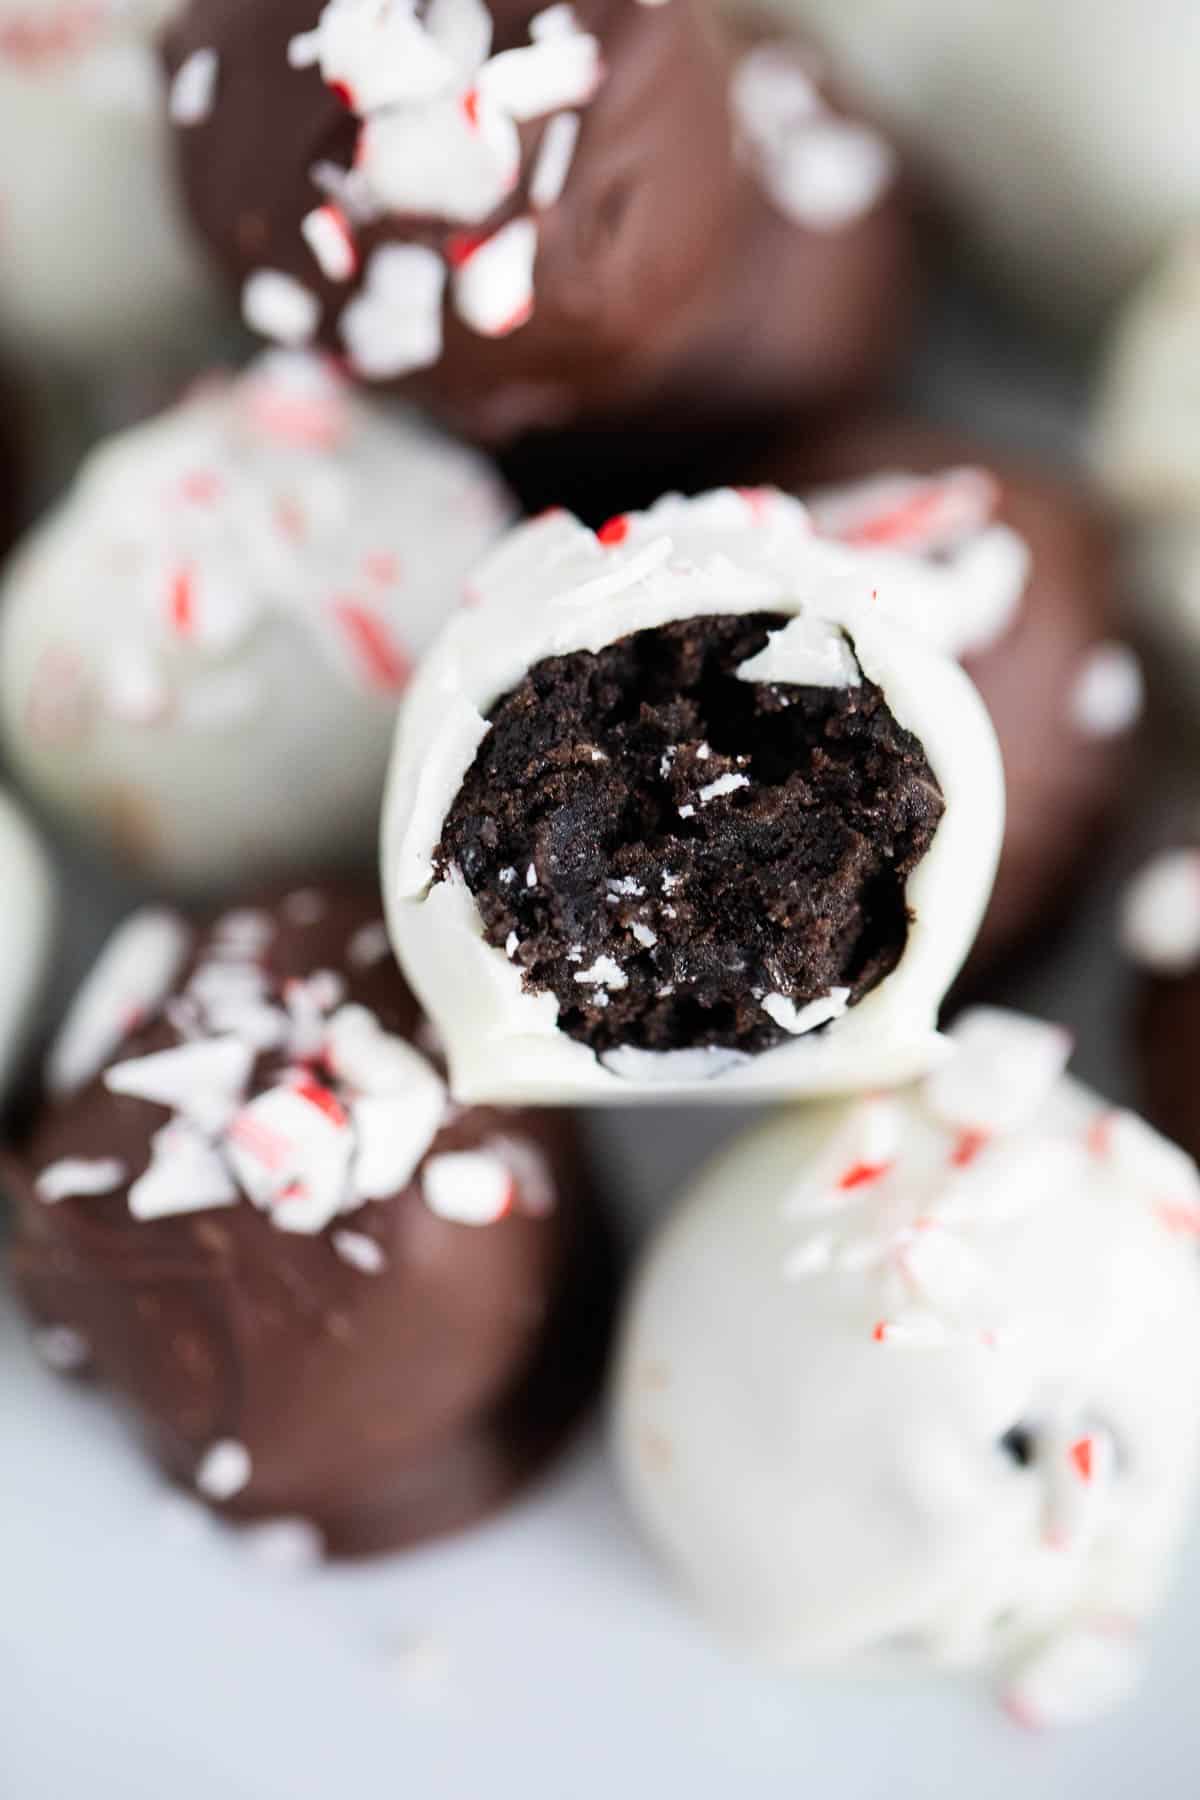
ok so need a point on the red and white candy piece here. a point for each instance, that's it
(455, 158)
(185, 1175)
(394, 324)
(924, 514)
(290, 1149)
(397, 1100)
(468, 1187)
(327, 232)
(1080, 1465)
(279, 307)
(203, 1081)
(493, 280)
(1003, 1068)
(859, 1155)
(129, 982)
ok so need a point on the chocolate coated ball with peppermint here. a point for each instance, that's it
(337, 1306)
(529, 216)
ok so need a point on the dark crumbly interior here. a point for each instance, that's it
(690, 843)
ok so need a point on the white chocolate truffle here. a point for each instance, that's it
(204, 647)
(911, 1381)
(554, 588)
(1146, 440)
(96, 256)
(1062, 134)
(28, 928)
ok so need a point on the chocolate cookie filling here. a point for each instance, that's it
(686, 859)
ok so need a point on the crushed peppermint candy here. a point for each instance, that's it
(821, 171)
(1160, 914)
(394, 323)
(360, 1251)
(194, 88)
(128, 984)
(1108, 694)
(493, 282)
(224, 1470)
(279, 307)
(74, 1177)
(328, 233)
(468, 1187)
(555, 155)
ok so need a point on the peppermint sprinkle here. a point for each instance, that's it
(75, 1176)
(368, 946)
(326, 231)
(360, 1251)
(554, 158)
(394, 324)
(284, 1545)
(279, 307)
(493, 286)
(467, 1187)
(224, 1470)
(1160, 915)
(129, 982)
(194, 89)
(1108, 693)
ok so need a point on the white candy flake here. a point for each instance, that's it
(76, 1176)
(394, 324)
(798, 1020)
(1160, 915)
(604, 972)
(493, 285)
(360, 1251)
(62, 1348)
(467, 1187)
(224, 1470)
(128, 983)
(194, 88)
(279, 307)
(1108, 693)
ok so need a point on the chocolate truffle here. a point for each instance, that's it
(325, 1294)
(528, 218)
(97, 260)
(29, 905)
(1015, 573)
(202, 650)
(680, 808)
(1061, 136)
(909, 1383)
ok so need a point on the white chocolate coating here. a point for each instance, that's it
(851, 1309)
(552, 588)
(28, 928)
(1146, 441)
(1063, 134)
(204, 647)
(96, 258)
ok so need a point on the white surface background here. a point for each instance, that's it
(145, 1656)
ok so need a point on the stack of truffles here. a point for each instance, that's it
(446, 821)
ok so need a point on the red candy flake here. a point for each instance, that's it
(461, 246)
(470, 106)
(270, 1148)
(1082, 1455)
(862, 1174)
(324, 1101)
(615, 531)
(181, 602)
(758, 499)
(1179, 1216)
(37, 42)
(382, 566)
(203, 487)
(344, 92)
(968, 1145)
(382, 659)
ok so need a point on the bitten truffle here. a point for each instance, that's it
(327, 1296)
(680, 808)
(202, 650)
(97, 259)
(1015, 572)
(910, 1383)
(531, 216)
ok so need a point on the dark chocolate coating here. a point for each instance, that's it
(1167, 1029)
(666, 284)
(1063, 785)
(791, 883)
(384, 1408)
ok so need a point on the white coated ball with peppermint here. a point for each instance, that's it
(29, 907)
(204, 647)
(95, 258)
(911, 1382)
